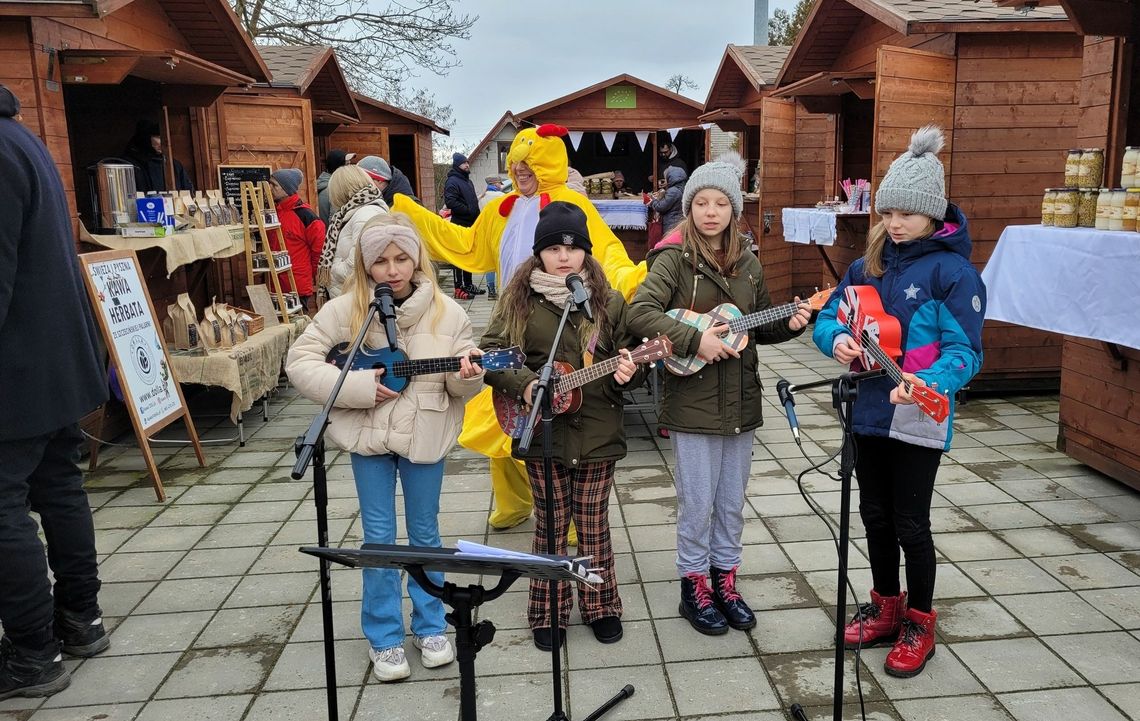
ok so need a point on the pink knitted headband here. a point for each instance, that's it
(376, 238)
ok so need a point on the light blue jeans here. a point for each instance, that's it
(381, 618)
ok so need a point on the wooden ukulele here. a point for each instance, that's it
(398, 369)
(880, 335)
(738, 326)
(513, 414)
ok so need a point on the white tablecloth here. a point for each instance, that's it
(221, 241)
(1077, 281)
(622, 214)
(809, 225)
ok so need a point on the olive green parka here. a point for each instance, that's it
(723, 398)
(595, 432)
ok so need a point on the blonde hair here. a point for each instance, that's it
(876, 240)
(698, 244)
(345, 182)
(359, 283)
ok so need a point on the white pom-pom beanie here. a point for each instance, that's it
(723, 174)
(916, 180)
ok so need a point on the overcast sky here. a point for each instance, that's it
(520, 56)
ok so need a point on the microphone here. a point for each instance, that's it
(783, 390)
(387, 312)
(579, 295)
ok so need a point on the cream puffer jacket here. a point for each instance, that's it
(347, 241)
(422, 423)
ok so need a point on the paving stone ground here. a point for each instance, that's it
(214, 615)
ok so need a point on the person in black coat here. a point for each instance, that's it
(144, 151)
(460, 198)
(50, 376)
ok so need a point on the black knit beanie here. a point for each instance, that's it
(561, 223)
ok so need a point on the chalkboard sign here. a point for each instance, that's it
(230, 178)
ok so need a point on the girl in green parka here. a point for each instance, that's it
(711, 414)
(588, 442)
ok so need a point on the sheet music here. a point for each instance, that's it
(576, 566)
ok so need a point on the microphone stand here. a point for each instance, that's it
(310, 448)
(543, 402)
(844, 391)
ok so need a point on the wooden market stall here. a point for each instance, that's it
(616, 125)
(784, 155)
(1005, 86)
(490, 156)
(1099, 420)
(401, 137)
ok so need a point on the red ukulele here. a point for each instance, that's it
(880, 335)
(512, 414)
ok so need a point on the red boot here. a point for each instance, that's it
(915, 645)
(879, 621)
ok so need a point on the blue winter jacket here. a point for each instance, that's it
(939, 299)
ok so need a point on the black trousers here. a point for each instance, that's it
(896, 482)
(462, 278)
(41, 474)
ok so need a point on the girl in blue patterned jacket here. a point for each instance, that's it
(918, 259)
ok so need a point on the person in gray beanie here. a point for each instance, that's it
(915, 182)
(289, 179)
(918, 262)
(712, 412)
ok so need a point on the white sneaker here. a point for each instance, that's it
(390, 664)
(434, 650)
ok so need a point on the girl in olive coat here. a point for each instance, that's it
(587, 443)
(712, 413)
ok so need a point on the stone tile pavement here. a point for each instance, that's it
(215, 615)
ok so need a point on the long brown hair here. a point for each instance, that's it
(876, 239)
(731, 242)
(515, 300)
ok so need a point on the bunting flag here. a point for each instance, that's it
(575, 138)
(642, 137)
(608, 137)
(673, 133)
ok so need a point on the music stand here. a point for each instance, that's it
(844, 391)
(417, 560)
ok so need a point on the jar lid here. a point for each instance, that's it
(1106, 190)
(1074, 150)
(1092, 150)
(1088, 190)
(1133, 190)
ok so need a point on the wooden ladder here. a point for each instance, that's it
(265, 241)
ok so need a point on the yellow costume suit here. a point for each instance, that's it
(477, 249)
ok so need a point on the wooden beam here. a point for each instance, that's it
(1101, 17)
(991, 26)
(49, 10)
(99, 71)
(106, 7)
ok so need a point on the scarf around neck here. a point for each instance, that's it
(553, 287)
(367, 195)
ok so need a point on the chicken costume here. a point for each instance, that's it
(500, 239)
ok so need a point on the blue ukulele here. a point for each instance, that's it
(398, 368)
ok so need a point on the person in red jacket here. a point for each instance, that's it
(304, 231)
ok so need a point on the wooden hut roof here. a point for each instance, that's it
(832, 22)
(622, 79)
(313, 71)
(1097, 17)
(406, 114)
(210, 27)
(744, 67)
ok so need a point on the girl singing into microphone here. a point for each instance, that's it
(588, 442)
(393, 435)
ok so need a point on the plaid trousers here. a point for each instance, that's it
(585, 492)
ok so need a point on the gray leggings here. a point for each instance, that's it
(712, 473)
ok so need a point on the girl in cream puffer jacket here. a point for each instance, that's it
(389, 435)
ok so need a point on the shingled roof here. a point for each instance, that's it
(942, 11)
(313, 71)
(744, 68)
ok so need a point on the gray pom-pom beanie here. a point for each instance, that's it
(916, 180)
(723, 174)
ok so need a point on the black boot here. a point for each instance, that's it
(81, 634)
(24, 672)
(729, 602)
(697, 605)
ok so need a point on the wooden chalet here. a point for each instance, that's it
(1005, 86)
(624, 105)
(746, 75)
(1099, 422)
(86, 72)
(401, 137)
